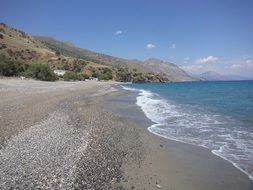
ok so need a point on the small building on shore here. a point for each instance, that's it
(93, 78)
(59, 73)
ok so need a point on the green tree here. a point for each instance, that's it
(10, 67)
(105, 76)
(82, 76)
(70, 75)
(95, 74)
(41, 72)
(123, 75)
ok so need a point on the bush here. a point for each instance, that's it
(69, 76)
(82, 76)
(123, 75)
(105, 76)
(23, 34)
(3, 46)
(77, 68)
(3, 24)
(95, 74)
(1, 36)
(2, 30)
(40, 72)
(10, 67)
(66, 66)
(57, 53)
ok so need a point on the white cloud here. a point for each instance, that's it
(244, 64)
(201, 64)
(173, 46)
(193, 68)
(150, 46)
(239, 67)
(118, 32)
(206, 60)
(186, 59)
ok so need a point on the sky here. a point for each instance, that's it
(197, 35)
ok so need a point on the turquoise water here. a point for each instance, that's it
(215, 115)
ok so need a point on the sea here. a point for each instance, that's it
(214, 115)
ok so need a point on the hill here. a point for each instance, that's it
(214, 76)
(17, 45)
(71, 50)
(170, 70)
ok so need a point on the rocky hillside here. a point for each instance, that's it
(71, 50)
(18, 45)
(171, 71)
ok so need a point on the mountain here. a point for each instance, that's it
(213, 76)
(68, 49)
(20, 46)
(170, 70)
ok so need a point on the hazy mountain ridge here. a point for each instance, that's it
(214, 76)
(169, 69)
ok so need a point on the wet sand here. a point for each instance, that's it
(169, 164)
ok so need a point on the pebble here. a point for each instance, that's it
(159, 186)
(77, 145)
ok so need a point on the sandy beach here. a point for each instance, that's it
(91, 135)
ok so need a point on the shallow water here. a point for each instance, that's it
(215, 115)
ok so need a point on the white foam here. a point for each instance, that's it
(202, 129)
(216, 152)
(128, 88)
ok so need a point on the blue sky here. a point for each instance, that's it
(197, 35)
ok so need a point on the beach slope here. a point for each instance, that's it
(89, 135)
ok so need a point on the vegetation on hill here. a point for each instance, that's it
(10, 67)
(65, 48)
(20, 47)
(40, 71)
(70, 76)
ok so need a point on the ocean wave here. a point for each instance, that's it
(128, 88)
(211, 131)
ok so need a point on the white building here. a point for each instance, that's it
(93, 78)
(59, 72)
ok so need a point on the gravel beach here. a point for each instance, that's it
(91, 135)
(57, 136)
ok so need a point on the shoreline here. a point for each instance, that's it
(92, 135)
(212, 151)
(154, 123)
(204, 152)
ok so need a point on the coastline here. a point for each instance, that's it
(91, 135)
(170, 164)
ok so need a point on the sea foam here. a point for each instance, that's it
(185, 125)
